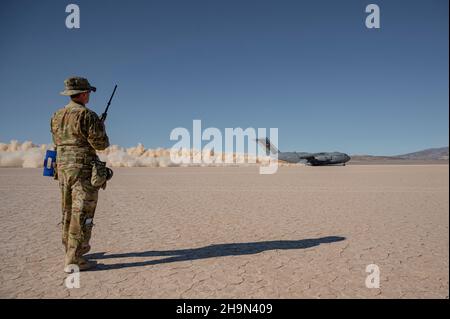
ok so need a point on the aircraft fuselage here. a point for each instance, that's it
(315, 159)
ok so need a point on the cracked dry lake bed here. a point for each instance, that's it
(199, 232)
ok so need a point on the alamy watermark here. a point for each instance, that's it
(232, 151)
(373, 279)
(73, 19)
(373, 19)
(73, 279)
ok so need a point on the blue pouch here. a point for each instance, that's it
(49, 163)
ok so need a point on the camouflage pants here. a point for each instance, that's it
(79, 200)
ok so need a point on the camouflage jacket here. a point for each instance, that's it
(77, 133)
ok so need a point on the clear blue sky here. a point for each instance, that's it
(310, 68)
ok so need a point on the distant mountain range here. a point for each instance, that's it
(440, 153)
(432, 154)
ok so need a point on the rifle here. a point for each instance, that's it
(104, 114)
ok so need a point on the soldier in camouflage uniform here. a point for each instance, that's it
(77, 133)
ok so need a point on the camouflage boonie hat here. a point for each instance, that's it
(75, 85)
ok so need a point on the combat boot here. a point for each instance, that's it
(85, 249)
(83, 264)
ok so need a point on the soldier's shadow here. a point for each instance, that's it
(219, 250)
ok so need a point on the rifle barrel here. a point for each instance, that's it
(109, 103)
(110, 99)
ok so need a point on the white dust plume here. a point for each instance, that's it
(27, 154)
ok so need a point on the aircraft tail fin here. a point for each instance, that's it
(268, 146)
